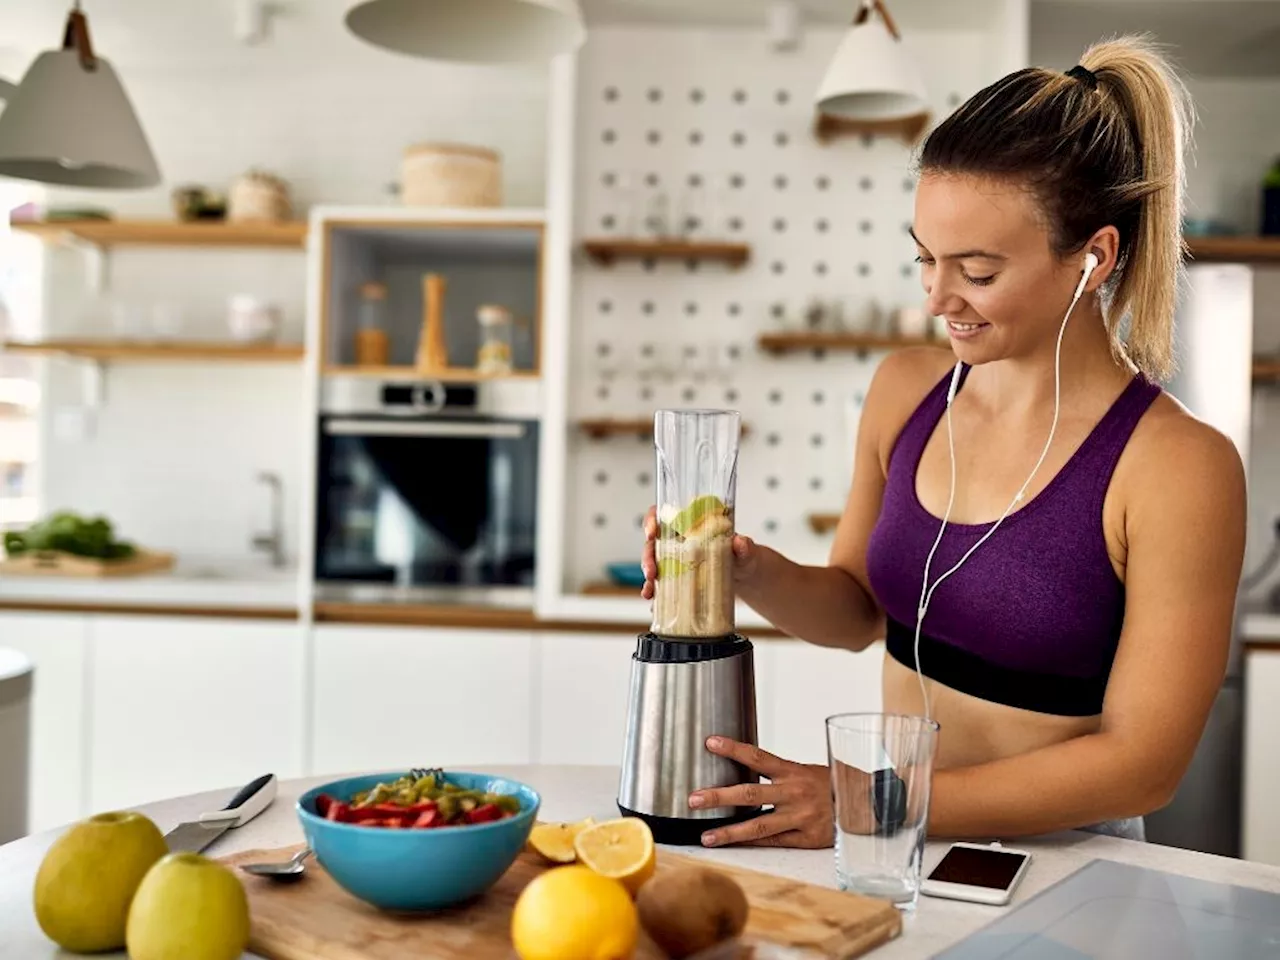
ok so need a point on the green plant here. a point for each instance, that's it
(70, 533)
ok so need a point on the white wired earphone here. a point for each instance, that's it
(926, 591)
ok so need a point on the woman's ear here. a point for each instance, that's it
(1105, 245)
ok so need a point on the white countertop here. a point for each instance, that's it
(194, 584)
(1260, 624)
(571, 793)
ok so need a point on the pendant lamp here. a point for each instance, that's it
(475, 31)
(871, 77)
(70, 122)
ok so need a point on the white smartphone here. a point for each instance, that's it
(979, 873)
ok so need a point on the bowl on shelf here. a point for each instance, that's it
(251, 320)
(626, 574)
(410, 869)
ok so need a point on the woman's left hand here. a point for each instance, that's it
(800, 794)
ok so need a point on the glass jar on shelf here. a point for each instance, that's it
(371, 345)
(494, 355)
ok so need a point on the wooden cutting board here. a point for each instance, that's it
(56, 563)
(315, 919)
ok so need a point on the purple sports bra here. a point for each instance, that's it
(1033, 618)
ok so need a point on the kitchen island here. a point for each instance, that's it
(571, 793)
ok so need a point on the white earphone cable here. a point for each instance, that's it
(926, 591)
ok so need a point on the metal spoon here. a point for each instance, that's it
(290, 869)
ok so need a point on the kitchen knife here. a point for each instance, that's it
(194, 835)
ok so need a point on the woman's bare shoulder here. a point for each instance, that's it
(901, 382)
(1169, 444)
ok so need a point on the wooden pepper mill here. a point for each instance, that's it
(433, 351)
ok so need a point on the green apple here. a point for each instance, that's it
(188, 907)
(89, 876)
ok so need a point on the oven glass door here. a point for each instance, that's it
(427, 502)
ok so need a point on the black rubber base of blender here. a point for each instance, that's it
(682, 832)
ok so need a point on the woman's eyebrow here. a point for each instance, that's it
(963, 254)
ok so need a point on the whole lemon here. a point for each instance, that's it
(88, 878)
(573, 913)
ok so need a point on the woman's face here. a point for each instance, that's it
(988, 268)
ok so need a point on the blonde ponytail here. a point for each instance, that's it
(1139, 83)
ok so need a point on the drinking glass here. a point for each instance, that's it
(881, 774)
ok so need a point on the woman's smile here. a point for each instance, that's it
(965, 331)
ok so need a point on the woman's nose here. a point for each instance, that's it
(939, 300)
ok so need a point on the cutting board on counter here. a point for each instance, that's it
(56, 563)
(315, 919)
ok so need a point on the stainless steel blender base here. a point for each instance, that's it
(680, 832)
(682, 693)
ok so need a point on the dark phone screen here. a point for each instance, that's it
(994, 869)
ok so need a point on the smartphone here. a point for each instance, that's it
(978, 873)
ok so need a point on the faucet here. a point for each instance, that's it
(273, 542)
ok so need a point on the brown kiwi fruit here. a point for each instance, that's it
(691, 908)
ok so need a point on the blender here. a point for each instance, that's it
(692, 674)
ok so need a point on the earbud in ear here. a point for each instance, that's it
(1090, 263)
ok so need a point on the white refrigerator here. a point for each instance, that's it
(1215, 353)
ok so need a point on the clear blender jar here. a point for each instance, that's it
(697, 470)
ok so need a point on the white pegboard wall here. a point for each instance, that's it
(720, 125)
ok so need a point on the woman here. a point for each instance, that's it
(1072, 658)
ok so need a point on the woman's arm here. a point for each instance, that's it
(833, 606)
(1185, 526)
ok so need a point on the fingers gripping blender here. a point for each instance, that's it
(692, 674)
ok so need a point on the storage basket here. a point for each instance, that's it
(450, 175)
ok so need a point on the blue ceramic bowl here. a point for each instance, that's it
(626, 574)
(417, 869)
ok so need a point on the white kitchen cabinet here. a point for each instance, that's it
(390, 698)
(1262, 756)
(582, 696)
(56, 645)
(800, 685)
(181, 705)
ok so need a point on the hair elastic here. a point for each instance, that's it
(1084, 75)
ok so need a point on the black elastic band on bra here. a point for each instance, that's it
(971, 674)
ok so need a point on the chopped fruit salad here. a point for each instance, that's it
(694, 592)
(420, 803)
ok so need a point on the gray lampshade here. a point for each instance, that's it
(74, 126)
(476, 31)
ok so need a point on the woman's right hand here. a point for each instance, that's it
(745, 554)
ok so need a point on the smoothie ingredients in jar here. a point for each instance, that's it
(694, 593)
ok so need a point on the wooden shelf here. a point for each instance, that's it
(827, 128)
(823, 522)
(606, 251)
(198, 233)
(607, 588)
(1234, 249)
(1266, 369)
(863, 343)
(452, 374)
(602, 428)
(103, 350)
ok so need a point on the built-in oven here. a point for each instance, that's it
(427, 491)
